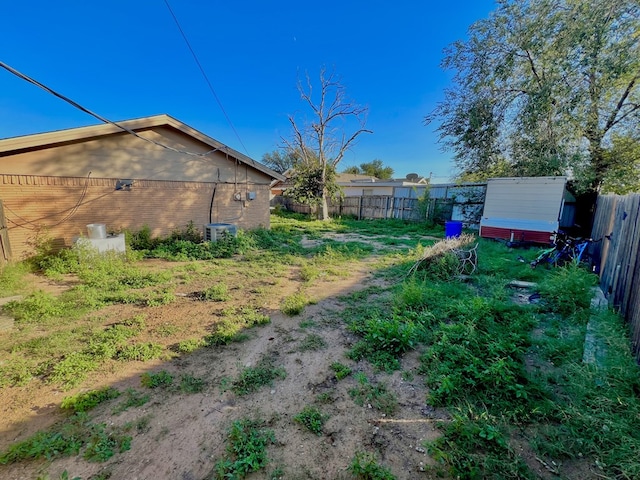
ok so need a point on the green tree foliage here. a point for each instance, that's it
(280, 161)
(322, 142)
(623, 175)
(374, 168)
(311, 184)
(541, 87)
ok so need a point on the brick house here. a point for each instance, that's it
(154, 171)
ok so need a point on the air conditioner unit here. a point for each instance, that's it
(215, 231)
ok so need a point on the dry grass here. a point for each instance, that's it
(447, 256)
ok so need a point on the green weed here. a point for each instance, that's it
(190, 345)
(567, 289)
(341, 371)
(73, 369)
(234, 321)
(166, 330)
(191, 384)
(139, 351)
(312, 342)
(325, 397)
(83, 402)
(246, 450)
(294, 304)
(39, 307)
(473, 445)
(12, 278)
(133, 398)
(384, 341)
(364, 466)
(63, 476)
(252, 379)
(377, 395)
(217, 293)
(70, 438)
(312, 419)
(309, 272)
(478, 356)
(161, 379)
(102, 444)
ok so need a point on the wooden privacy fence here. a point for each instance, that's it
(378, 207)
(369, 206)
(617, 226)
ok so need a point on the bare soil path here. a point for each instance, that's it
(181, 436)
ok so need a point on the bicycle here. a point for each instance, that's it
(565, 249)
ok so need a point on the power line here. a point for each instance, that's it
(100, 117)
(195, 57)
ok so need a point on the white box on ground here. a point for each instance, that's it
(113, 242)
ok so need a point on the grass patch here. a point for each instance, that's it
(384, 340)
(247, 443)
(77, 435)
(84, 402)
(12, 278)
(132, 398)
(312, 419)
(190, 345)
(474, 442)
(191, 384)
(364, 466)
(234, 321)
(217, 293)
(294, 304)
(251, 379)
(377, 395)
(312, 342)
(161, 379)
(341, 371)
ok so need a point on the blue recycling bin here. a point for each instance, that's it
(452, 229)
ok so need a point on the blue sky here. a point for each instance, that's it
(127, 59)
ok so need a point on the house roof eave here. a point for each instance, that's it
(12, 145)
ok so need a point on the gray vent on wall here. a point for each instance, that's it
(215, 231)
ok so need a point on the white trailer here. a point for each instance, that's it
(523, 209)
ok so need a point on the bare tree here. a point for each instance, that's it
(322, 142)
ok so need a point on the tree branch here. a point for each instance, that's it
(612, 118)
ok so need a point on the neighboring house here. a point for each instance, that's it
(528, 209)
(364, 185)
(160, 173)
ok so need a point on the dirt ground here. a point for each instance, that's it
(185, 434)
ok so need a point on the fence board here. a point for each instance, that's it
(617, 223)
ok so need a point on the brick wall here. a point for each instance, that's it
(61, 207)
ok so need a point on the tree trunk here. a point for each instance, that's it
(324, 214)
